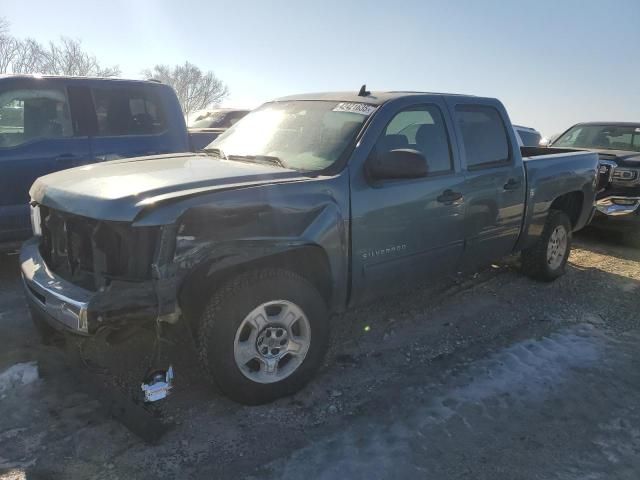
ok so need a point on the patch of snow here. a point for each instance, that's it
(18, 375)
(526, 372)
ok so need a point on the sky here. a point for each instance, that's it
(551, 62)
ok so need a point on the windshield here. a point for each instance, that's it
(607, 137)
(210, 119)
(529, 138)
(301, 135)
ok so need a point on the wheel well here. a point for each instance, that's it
(309, 262)
(571, 204)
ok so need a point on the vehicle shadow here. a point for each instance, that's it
(9, 269)
(18, 336)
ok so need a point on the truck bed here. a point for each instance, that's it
(553, 170)
(528, 152)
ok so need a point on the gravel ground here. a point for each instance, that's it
(489, 375)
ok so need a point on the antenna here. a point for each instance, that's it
(363, 91)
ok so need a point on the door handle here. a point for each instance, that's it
(449, 196)
(512, 184)
(107, 156)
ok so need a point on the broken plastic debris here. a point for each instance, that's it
(157, 385)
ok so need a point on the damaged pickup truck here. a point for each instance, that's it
(308, 206)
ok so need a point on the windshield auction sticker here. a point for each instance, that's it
(361, 108)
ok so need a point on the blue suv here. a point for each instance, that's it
(54, 123)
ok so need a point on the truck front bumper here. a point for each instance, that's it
(617, 217)
(67, 307)
(616, 205)
(63, 304)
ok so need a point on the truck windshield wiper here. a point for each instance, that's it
(215, 152)
(269, 159)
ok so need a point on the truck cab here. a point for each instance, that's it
(53, 123)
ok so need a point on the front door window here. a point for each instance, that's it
(30, 115)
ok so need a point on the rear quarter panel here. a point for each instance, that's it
(551, 176)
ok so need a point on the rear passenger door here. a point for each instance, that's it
(494, 187)
(131, 122)
(37, 136)
(407, 229)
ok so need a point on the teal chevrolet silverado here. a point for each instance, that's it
(308, 206)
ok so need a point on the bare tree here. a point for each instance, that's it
(64, 57)
(30, 57)
(195, 89)
(8, 46)
(67, 57)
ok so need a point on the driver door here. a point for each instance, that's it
(36, 138)
(405, 230)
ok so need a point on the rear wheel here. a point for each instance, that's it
(263, 335)
(547, 259)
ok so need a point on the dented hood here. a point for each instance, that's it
(119, 190)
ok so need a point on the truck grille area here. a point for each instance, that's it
(604, 175)
(90, 253)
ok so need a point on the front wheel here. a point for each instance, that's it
(263, 335)
(547, 259)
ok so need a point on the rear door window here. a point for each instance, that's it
(484, 136)
(128, 111)
(33, 114)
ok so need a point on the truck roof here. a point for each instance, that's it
(70, 78)
(522, 127)
(617, 124)
(374, 98)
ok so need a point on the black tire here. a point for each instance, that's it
(224, 314)
(534, 259)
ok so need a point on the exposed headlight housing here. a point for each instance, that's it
(36, 221)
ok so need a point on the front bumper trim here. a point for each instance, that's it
(609, 207)
(62, 301)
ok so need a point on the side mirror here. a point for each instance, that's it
(544, 142)
(401, 163)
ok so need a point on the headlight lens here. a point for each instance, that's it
(625, 174)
